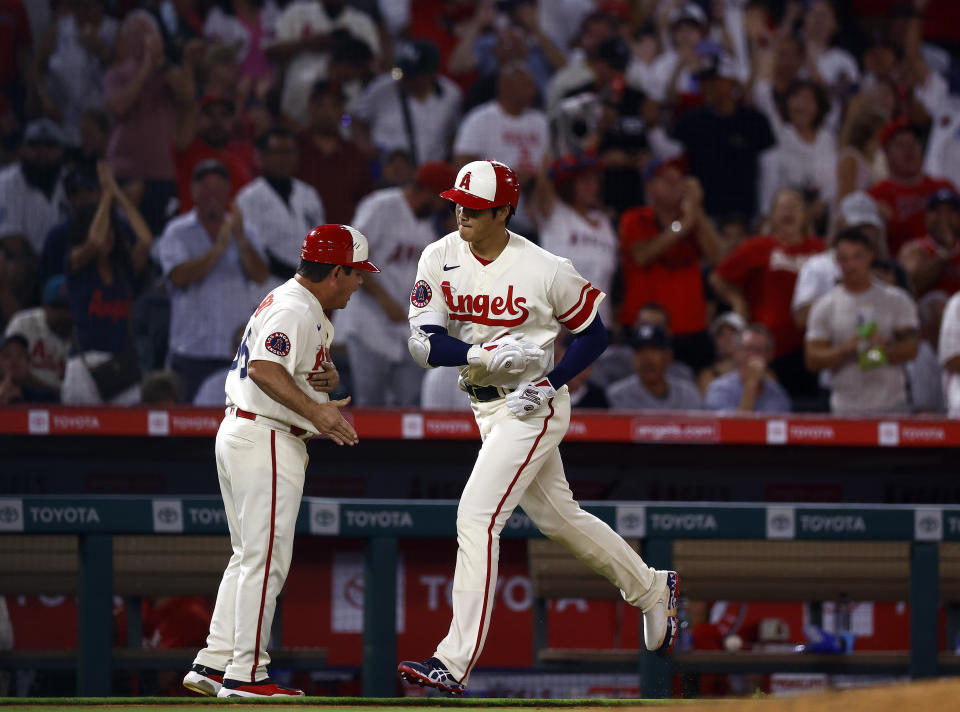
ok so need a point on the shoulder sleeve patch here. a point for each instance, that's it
(278, 343)
(421, 294)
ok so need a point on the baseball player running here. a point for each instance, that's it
(277, 398)
(491, 303)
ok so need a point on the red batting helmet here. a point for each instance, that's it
(337, 245)
(484, 184)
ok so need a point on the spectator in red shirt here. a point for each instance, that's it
(932, 262)
(204, 135)
(757, 280)
(903, 196)
(662, 245)
(334, 166)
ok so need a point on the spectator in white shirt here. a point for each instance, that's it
(805, 157)
(821, 273)
(303, 37)
(863, 331)
(418, 111)
(398, 224)
(32, 189)
(509, 130)
(279, 207)
(210, 257)
(567, 207)
(949, 353)
(74, 55)
(833, 66)
(674, 71)
(47, 329)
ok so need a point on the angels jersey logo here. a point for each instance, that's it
(421, 294)
(278, 343)
(481, 309)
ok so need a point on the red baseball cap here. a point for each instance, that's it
(337, 245)
(436, 175)
(893, 128)
(484, 184)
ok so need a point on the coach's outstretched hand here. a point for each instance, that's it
(331, 423)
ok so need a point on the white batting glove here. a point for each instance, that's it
(506, 353)
(529, 397)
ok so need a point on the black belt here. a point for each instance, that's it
(485, 394)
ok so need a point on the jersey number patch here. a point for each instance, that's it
(278, 343)
(421, 294)
(242, 357)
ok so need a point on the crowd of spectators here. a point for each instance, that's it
(765, 189)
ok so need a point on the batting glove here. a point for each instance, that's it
(529, 397)
(506, 353)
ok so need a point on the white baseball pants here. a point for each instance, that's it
(261, 479)
(519, 463)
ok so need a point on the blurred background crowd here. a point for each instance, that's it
(765, 189)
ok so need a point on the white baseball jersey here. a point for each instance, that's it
(289, 328)
(526, 290)
(48, 352)
(590, 243)
(394, 232)
(281, 224)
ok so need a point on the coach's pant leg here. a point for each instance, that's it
(513, 451)
(549, 503)
(267, 493)
(219, 650)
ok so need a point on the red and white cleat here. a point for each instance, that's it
(263, 688)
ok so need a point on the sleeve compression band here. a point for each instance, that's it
(445, 350)
(583, 350)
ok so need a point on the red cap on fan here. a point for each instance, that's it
(484, 184)
(337, 245)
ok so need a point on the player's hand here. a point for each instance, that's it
(326, 379)
(508, 353)
(529, 397)
(330, 423)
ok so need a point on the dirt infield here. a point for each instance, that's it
(936, 695)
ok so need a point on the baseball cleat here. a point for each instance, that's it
(262, 688)
(432, 673)
(660, 625)
(203, 680)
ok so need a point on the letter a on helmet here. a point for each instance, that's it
(485, 184)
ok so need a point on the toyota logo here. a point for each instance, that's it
(928, 524)
(168, 515)
(9, 515)
(323, 517)
(780, 522)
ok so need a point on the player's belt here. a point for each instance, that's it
(485, 394)
(275, 424)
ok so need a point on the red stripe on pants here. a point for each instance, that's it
(266, 572)
(493, 521)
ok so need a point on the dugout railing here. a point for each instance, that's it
(97, 521)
